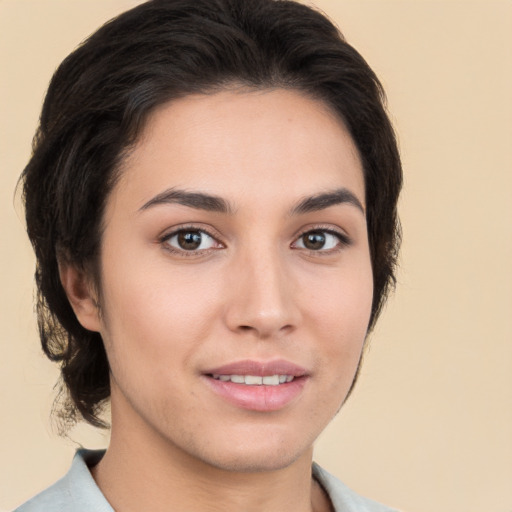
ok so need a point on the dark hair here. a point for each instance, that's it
(161, 50)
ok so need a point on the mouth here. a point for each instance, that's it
(255, 380)
(258, 386)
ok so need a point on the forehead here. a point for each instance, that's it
(274, 143)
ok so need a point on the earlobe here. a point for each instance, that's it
(81, 295)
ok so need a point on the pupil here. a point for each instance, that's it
(189, 240)
(314, 240)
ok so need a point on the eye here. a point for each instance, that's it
(320, 240)
(190, 240)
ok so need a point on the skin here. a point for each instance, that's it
(254, 290)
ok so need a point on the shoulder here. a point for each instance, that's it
(343, 498)
(76, 491)
(56, 498)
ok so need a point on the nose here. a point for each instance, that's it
(263, 299)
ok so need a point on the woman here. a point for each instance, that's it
(212, 203)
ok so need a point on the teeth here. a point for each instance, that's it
(255, 380)
(273, 380)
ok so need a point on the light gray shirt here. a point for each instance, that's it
(77, 491)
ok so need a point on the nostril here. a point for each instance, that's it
(263, 332)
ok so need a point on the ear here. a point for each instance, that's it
(81, 295)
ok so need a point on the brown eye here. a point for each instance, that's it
(190, 240)
(314, 240)
(321, 240)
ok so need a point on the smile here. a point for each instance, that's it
(255, 380)
(263, 386)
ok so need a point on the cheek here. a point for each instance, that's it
(154, 309)
(344, 299)
(339, 312)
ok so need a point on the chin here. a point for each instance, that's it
(261, 462)
(263, 452)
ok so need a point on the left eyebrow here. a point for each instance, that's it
(325, 200)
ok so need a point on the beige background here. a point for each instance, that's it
(429, 427)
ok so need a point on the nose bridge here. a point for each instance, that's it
(262, 301)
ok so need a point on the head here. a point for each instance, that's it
(96, 112)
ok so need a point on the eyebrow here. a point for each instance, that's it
(212, 203)
(198, 200)
(325, 200)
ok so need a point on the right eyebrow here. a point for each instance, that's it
(198, 200)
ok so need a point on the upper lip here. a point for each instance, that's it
(259, 368)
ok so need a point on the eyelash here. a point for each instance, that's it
(164, 240)
(343, 239)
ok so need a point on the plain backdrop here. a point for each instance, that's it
(429, 426)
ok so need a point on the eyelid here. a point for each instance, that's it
(342, 236)
(175, 230)
(344, 239)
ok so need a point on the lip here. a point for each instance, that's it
(259, 398)
(260, 368)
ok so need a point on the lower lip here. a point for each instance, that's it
(258, 398)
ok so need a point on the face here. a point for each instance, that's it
(236, 278)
